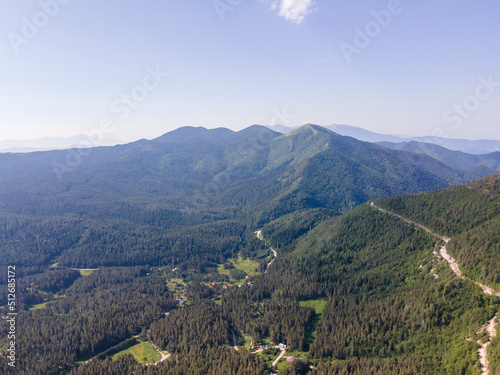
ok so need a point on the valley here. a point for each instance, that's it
(202, 241)
(262, 187)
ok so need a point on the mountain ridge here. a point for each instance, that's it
(455, 159)
(350, 289)
(481, 146)
(385, 275)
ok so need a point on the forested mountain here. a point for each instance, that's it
(390, 297)
(149, 202)
(470, 215)
(454, 159)
(110, 243)
(475, 147)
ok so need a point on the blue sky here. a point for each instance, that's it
(404, 67)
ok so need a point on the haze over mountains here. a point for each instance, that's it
(54, 143)
(477, 147)
(455, 159)
(308, 167)
(348, 288)
(482, 146)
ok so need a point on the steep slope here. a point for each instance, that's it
(489, 329)
(477, 147)
(454, 159)
(129, 204)
(393, 306)
(470, 215)
(143, 203)
(318, 168)
(352, 292)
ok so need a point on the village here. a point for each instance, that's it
(274, 353)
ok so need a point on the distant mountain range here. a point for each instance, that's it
(350, 288)
(476, 147)
(481, 146)
(455, 159)
(53, 143)
(258, 169)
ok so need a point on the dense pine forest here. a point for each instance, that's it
(148, 254)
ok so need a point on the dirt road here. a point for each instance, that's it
(283, 351)
(490, 327)
(163, 356)
(275, 254)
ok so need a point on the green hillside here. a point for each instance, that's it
(455, 159)
(470, 215)
(387, 311)
(149, 202)
(349, 288)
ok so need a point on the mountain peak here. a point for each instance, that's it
(315, 129)
(188, 132)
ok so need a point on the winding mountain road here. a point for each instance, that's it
(275, 254)
(489, 327)
(283, 351)
(163, 356)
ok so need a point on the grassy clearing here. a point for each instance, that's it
(177, 286)
(223, 271)
(282, 365)
(143, 352)
(39, 306)
(269, 355)
(264, 341)
(85, 271)
(246, 265)
(43, 305)
(317, 305)
(248, 340)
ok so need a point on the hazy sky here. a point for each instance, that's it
(406, 67)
